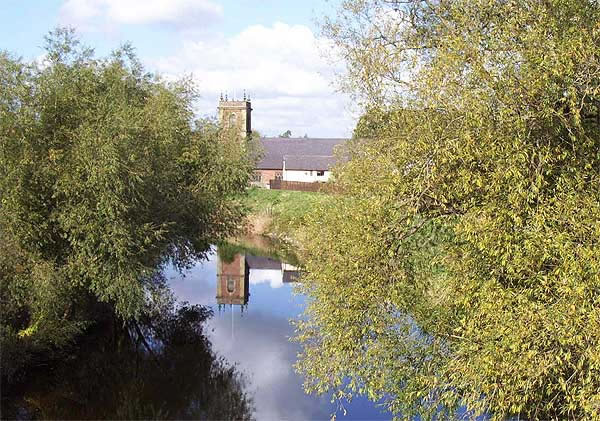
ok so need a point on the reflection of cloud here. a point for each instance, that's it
(258, 344)
(273, 277)
(196, 285)
(260, 349)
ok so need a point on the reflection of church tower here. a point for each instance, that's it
(232, 281)
(236, 115)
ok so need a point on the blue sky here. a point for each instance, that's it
(272, 48)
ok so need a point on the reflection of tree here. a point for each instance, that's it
(160, 367)
(256, 246)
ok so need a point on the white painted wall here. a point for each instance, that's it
(306, 176)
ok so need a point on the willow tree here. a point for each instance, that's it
(104, 175)
(461, 266)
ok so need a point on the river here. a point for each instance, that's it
(225, 355)
(251, 328)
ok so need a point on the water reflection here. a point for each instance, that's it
(253, 291)
(181, 361)
(161, 367)
(234, 275)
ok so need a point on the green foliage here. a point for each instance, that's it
(462, 265)
(255, 135)
(288, 210)
(103, 176)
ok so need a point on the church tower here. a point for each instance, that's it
(236, 115)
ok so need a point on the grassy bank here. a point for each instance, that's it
(282, 213)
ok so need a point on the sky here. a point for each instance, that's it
(270, 48)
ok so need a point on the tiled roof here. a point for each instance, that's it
(309, 152)
(308, 162)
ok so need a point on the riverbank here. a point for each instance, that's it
(282, 214)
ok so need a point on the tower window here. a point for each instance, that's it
(230, 285)
(232, 120)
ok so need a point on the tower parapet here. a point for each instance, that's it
(236, 115)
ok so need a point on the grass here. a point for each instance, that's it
(288, 210)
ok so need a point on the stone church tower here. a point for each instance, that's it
(236, 115)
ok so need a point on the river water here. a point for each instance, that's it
(226, 355)
(254, 301)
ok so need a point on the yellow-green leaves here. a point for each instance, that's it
(471, 208)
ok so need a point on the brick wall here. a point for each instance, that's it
(268, 175)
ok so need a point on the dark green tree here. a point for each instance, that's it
(104, 174)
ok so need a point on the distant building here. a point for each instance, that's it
(289, 159)
(301, 159)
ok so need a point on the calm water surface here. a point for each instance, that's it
(253, 302)
(189, 365)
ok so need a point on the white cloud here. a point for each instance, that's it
(282, 68)
(100, 14)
